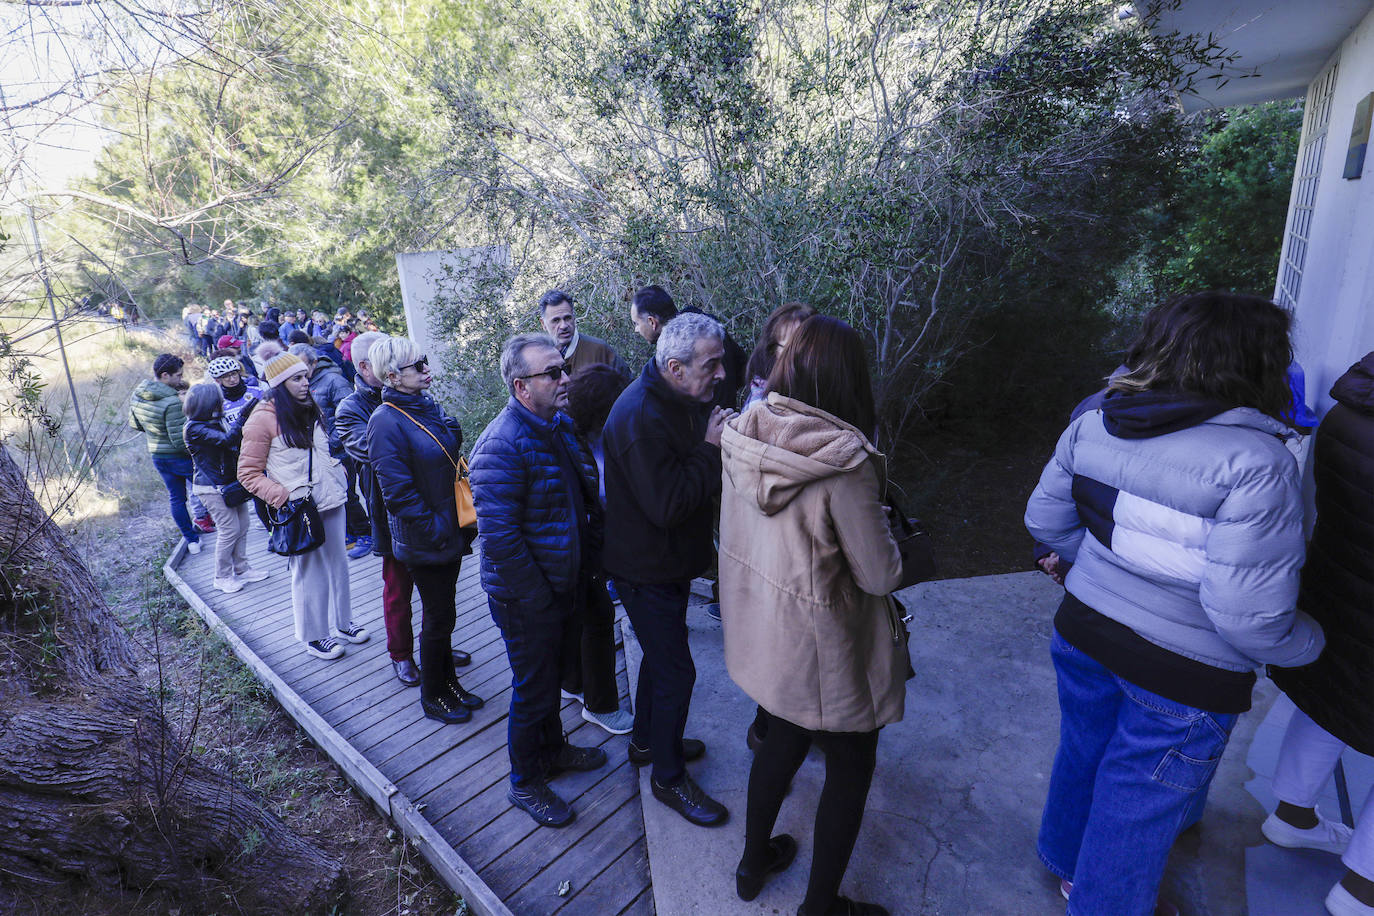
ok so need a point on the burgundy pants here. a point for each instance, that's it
(397, 585)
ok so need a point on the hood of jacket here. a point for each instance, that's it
(1355, 389)
(152, 390)
(1146, 414)
(776, 449)
(324, 364)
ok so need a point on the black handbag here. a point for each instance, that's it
(296, 527)
(234, 494)
(913, 542)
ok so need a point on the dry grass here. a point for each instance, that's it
(121, 523)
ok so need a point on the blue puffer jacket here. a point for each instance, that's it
(1183, 521)
(416, 478)
(530, 545)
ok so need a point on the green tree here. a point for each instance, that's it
(907, 166)
(1225, 225)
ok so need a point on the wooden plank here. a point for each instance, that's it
(510, 826)
(596, 810)
(608, 890)
(446, 786)
(643, 905)
(368, 726)
(459, 774)
(460, 876)
(615, 887)
(362, 709)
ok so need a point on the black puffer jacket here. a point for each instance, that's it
(416, 478)
(1337, 690)
(350, 425)
(215, 449)
(662, 482)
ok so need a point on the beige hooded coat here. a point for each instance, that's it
(806, 563)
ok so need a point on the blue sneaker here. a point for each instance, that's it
(361, 548)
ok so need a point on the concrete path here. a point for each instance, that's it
(952, 817)
(1294, 882)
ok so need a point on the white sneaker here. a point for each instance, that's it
(229, 586)
(617, 722)
(353, 633)
(569, 695)
(1328, 836)
(193, 546)
(325, 648)
(1340, 902)
(252, 575)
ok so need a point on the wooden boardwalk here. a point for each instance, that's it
(443, 785)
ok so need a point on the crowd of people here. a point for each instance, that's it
(1171, 512)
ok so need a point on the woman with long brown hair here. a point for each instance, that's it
(777, 330)
(806, 562)
(1178, 507)
(285, 456)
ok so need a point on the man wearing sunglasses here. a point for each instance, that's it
(540, 523)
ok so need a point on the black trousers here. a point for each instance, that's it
(849, 762)
(438, 587)
(358, 524)
(589, 652)
(536, 641)
(667, 674)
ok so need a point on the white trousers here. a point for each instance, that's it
(1307, 758)
(319, 583)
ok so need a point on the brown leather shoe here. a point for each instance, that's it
(407, 672)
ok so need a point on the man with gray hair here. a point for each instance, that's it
(539, 519)
(662, 452)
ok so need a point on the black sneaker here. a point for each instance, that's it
(445, 708)
(470, 700)
(692, 749)
(571, 757)
(688, 799)
(541, 803)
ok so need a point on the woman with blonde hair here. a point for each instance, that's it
(413, 446)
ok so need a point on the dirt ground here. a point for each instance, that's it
(970, 491)
(125, 533)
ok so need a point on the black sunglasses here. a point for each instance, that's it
(420, 365)
(552, 373)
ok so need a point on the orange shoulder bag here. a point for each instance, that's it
(462, 488)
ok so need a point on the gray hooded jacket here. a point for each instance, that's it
(1183, 523)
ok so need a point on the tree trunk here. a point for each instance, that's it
(94, 784)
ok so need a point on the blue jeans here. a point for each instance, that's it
(1130, 774)
(534, 645)
(176, 471)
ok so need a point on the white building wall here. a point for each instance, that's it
(1335, 303)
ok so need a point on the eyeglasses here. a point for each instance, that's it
(420, 365)
(552, 373)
